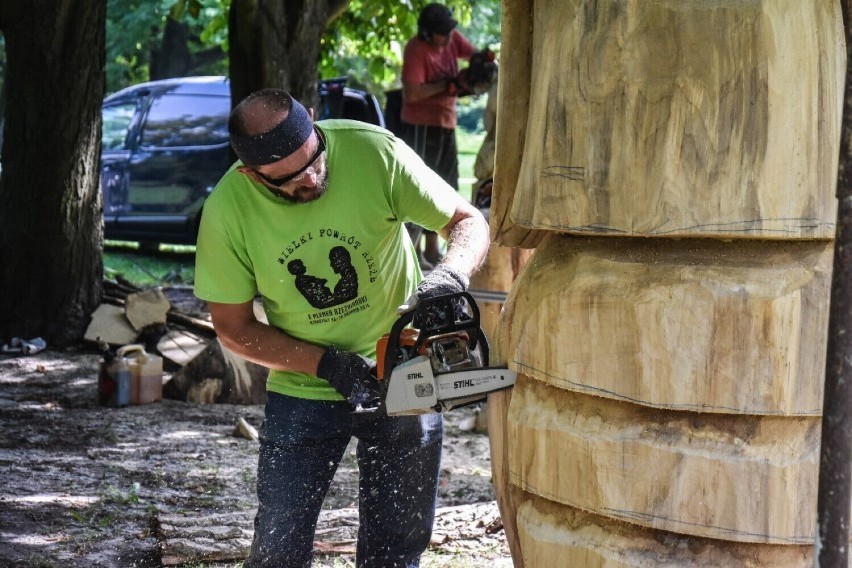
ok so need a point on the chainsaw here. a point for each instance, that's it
(442, 365)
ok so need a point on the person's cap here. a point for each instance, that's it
(437, 18)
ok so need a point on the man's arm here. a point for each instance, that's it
(467, 246)
(414, 92)
(350, 374)
(467, 237)
(241, 332)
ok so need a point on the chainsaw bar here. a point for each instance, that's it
(467, 387)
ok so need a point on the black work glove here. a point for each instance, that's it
(442, 280)
(352, 375)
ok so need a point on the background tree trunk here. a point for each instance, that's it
(173, 57)
(51, 236)
(276, 44)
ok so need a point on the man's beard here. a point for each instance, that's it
(305, 194)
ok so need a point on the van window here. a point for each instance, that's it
(187, 120)
(116, 123)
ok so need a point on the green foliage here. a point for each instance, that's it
(469, 113)
(483, 29)
(211, 16)
(364, 44)
(135, 27)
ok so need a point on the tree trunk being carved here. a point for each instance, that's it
(673, 164)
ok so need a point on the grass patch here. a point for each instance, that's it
(468, 144)
(172, 264)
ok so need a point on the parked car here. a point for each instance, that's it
(165, 145)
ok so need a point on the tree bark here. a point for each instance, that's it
(51, 236)
(173, 57)
(276, 44)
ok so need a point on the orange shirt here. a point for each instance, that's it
(423, 62)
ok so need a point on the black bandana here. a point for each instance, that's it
(281, 141)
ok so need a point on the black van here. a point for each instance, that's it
(165, 145)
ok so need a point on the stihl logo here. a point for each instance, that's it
(415, 376)
(467, 383)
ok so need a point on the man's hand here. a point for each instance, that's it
(442, 280)
(351, 374)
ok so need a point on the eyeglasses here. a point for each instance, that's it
(311, 165)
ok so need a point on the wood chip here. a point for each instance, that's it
(147, 307)
(110, 324)
(181, 346)
(245, 430)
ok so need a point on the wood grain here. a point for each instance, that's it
(684, 324)
(513, 104)
(738, 478)
(670, 118)
(500, 270)
(558, 535)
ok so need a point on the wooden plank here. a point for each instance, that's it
(228, 536)
(146, 307)
(181, 346)
(210, 538)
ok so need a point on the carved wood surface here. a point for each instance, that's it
(739, 478)
(672, 385)
(683, 324)
(668, 118)
(512, 108)
(558, 535)
(508, 496)
(497, 275)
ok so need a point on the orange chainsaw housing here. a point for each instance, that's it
(407, 338)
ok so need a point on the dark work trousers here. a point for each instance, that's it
(436, 146)
(302, 443)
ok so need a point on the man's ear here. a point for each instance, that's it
(311, 113)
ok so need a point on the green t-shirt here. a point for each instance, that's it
(331, 271)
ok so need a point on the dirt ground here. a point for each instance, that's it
(86, 486)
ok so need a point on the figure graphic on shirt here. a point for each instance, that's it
(347, 287)
(312, 288)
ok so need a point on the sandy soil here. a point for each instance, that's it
(84, 485)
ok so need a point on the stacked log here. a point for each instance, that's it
(673, 164)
